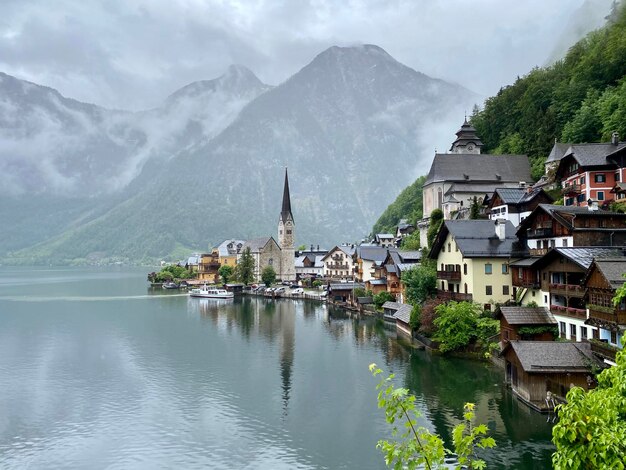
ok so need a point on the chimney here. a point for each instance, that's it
(522, 184)
(311, 246)
(615, 138)
(500, 229)
(592, 205)
(318, 248)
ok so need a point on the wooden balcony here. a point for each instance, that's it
(540, 232)
(337, 266)
(449, 275)
(572, 312)
(538, 251)
(603, 349)
(571, 189)
(607, 314)
(567, 290)
(517, 282)
(447, 295)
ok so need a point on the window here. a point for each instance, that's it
(505, 268)
(456, 245)
(545, 299)
(449, 248)
(600, 196)
(565, 242)
(270, 261)
(488, 268)
(572, 331)
(465, 287)
(583, 332)
(580, 197)
(562, 328)
(552, 243)
(600, 178)
(443, 248)
(288, 232)
(505, 290)
(465, 268)
(487, 307)
(596, 333)
(569, 201)
(582, 180)
(488, 290)
(613, 337)
(617, 177)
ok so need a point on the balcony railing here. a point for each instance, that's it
(538, 251)
(607, 314)
(540, 232)
(569, 290)
(517, 282)
(447, 295)
(603, 349)
(336, 266)
(571, 189)
(569, 311)
(449, 275)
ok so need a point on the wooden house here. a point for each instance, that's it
(526, 323)
(534, 368)
(515, 204)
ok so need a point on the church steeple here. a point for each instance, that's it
(467, 141)
(285, 212)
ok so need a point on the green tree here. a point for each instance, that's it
(302, 248)
(420, 283)
(382, 297)
(415, 446)
(268, 276)
(591, 432)
(244, 271)
(436, 219)
(225, 272)
(474, 209)
(411, 242)
(408, 205)
(620, 293)
(456, 324)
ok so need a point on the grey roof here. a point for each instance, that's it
(378, 282)
(384, 235)
(582, 255)
(557, 152)
(478, 168)
(525, 262)
(230, 247)
(478, 188)
(593, 154)
(553, 357)
(371, 253)
(346, 285)
(195, 259)
(613, 269)
(300, 261)
(391, 305)
(559, 213)
(256, 244)
(477, 238)
(527, 315)
(403, 313)
(365, 300)
(346, 249)
(516, 195)
(406, 256)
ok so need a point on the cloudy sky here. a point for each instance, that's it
(132, 53)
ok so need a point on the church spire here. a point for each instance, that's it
(285, 212)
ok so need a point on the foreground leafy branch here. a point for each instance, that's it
(415, 446)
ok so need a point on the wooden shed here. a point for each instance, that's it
(534, 368)
(526, 323)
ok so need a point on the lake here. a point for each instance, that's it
(98, 370)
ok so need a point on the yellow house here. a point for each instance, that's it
(473, 260)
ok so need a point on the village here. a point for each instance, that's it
(545, 269)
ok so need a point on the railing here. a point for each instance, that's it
(608, 314)
(540, 232)
(572, 188)
(569, 311)
(337, 266)
(447, 295)
(449, 275)
(538, 251)
(603, 349)
(570, 290)
(526, 283)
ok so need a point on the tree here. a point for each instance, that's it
(591, 432)
(420, 283)
(415, 446)
(268, 276)
(474, 209)
(411, 242)
(436, 219)
(302, 248)
(245, 267)
(382, 297)
(620, 294)
(456, 324)
(225, 273)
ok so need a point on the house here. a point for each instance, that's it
(339, 263)
(192, 263)
(394, 265)
(228, 250)
(515, 204)
(526, 323)
(404, 229)
(385, 240)
(550, 226)
(389, 310)
(344, 291)
(588, 172)
(365, 258)
(561, 273)
(309, 265)
(265, 252)
(208, 267)
(541, 373)
(473, 260)
(603, 278)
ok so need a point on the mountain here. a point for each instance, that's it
(352, 127)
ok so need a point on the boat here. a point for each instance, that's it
(170, 285)
(211, 293)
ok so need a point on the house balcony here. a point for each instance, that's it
(538, 251)
(571, 189)
(337, 266)
(567, 290)
(607, 314)
(572, 312)
(540, 232)
(459, 297)
(449, 275)
(603, 349)
(527, 283)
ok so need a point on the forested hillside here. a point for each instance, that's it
(581, 98)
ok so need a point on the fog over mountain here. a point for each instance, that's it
(354, 127)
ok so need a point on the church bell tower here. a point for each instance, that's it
(286, 236)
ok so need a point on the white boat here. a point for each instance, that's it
(211, 293)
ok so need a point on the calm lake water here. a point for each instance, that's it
(99, 371)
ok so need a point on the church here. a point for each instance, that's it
(266, 251)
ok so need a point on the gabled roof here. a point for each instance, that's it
(580, 255)
(477, 168)
(257, 244)
(403, 313)
(557, 152)
(391, 305)
(478, 239)
(517, 195)
(565, 215)
(347, 250)
(526, 315)
(371, 253)
(230, 247)
(595, 154)
(346, 286)
(613, 270)
(551, 357)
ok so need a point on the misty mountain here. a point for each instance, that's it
(353, 127)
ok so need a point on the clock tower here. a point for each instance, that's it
(286, 237)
